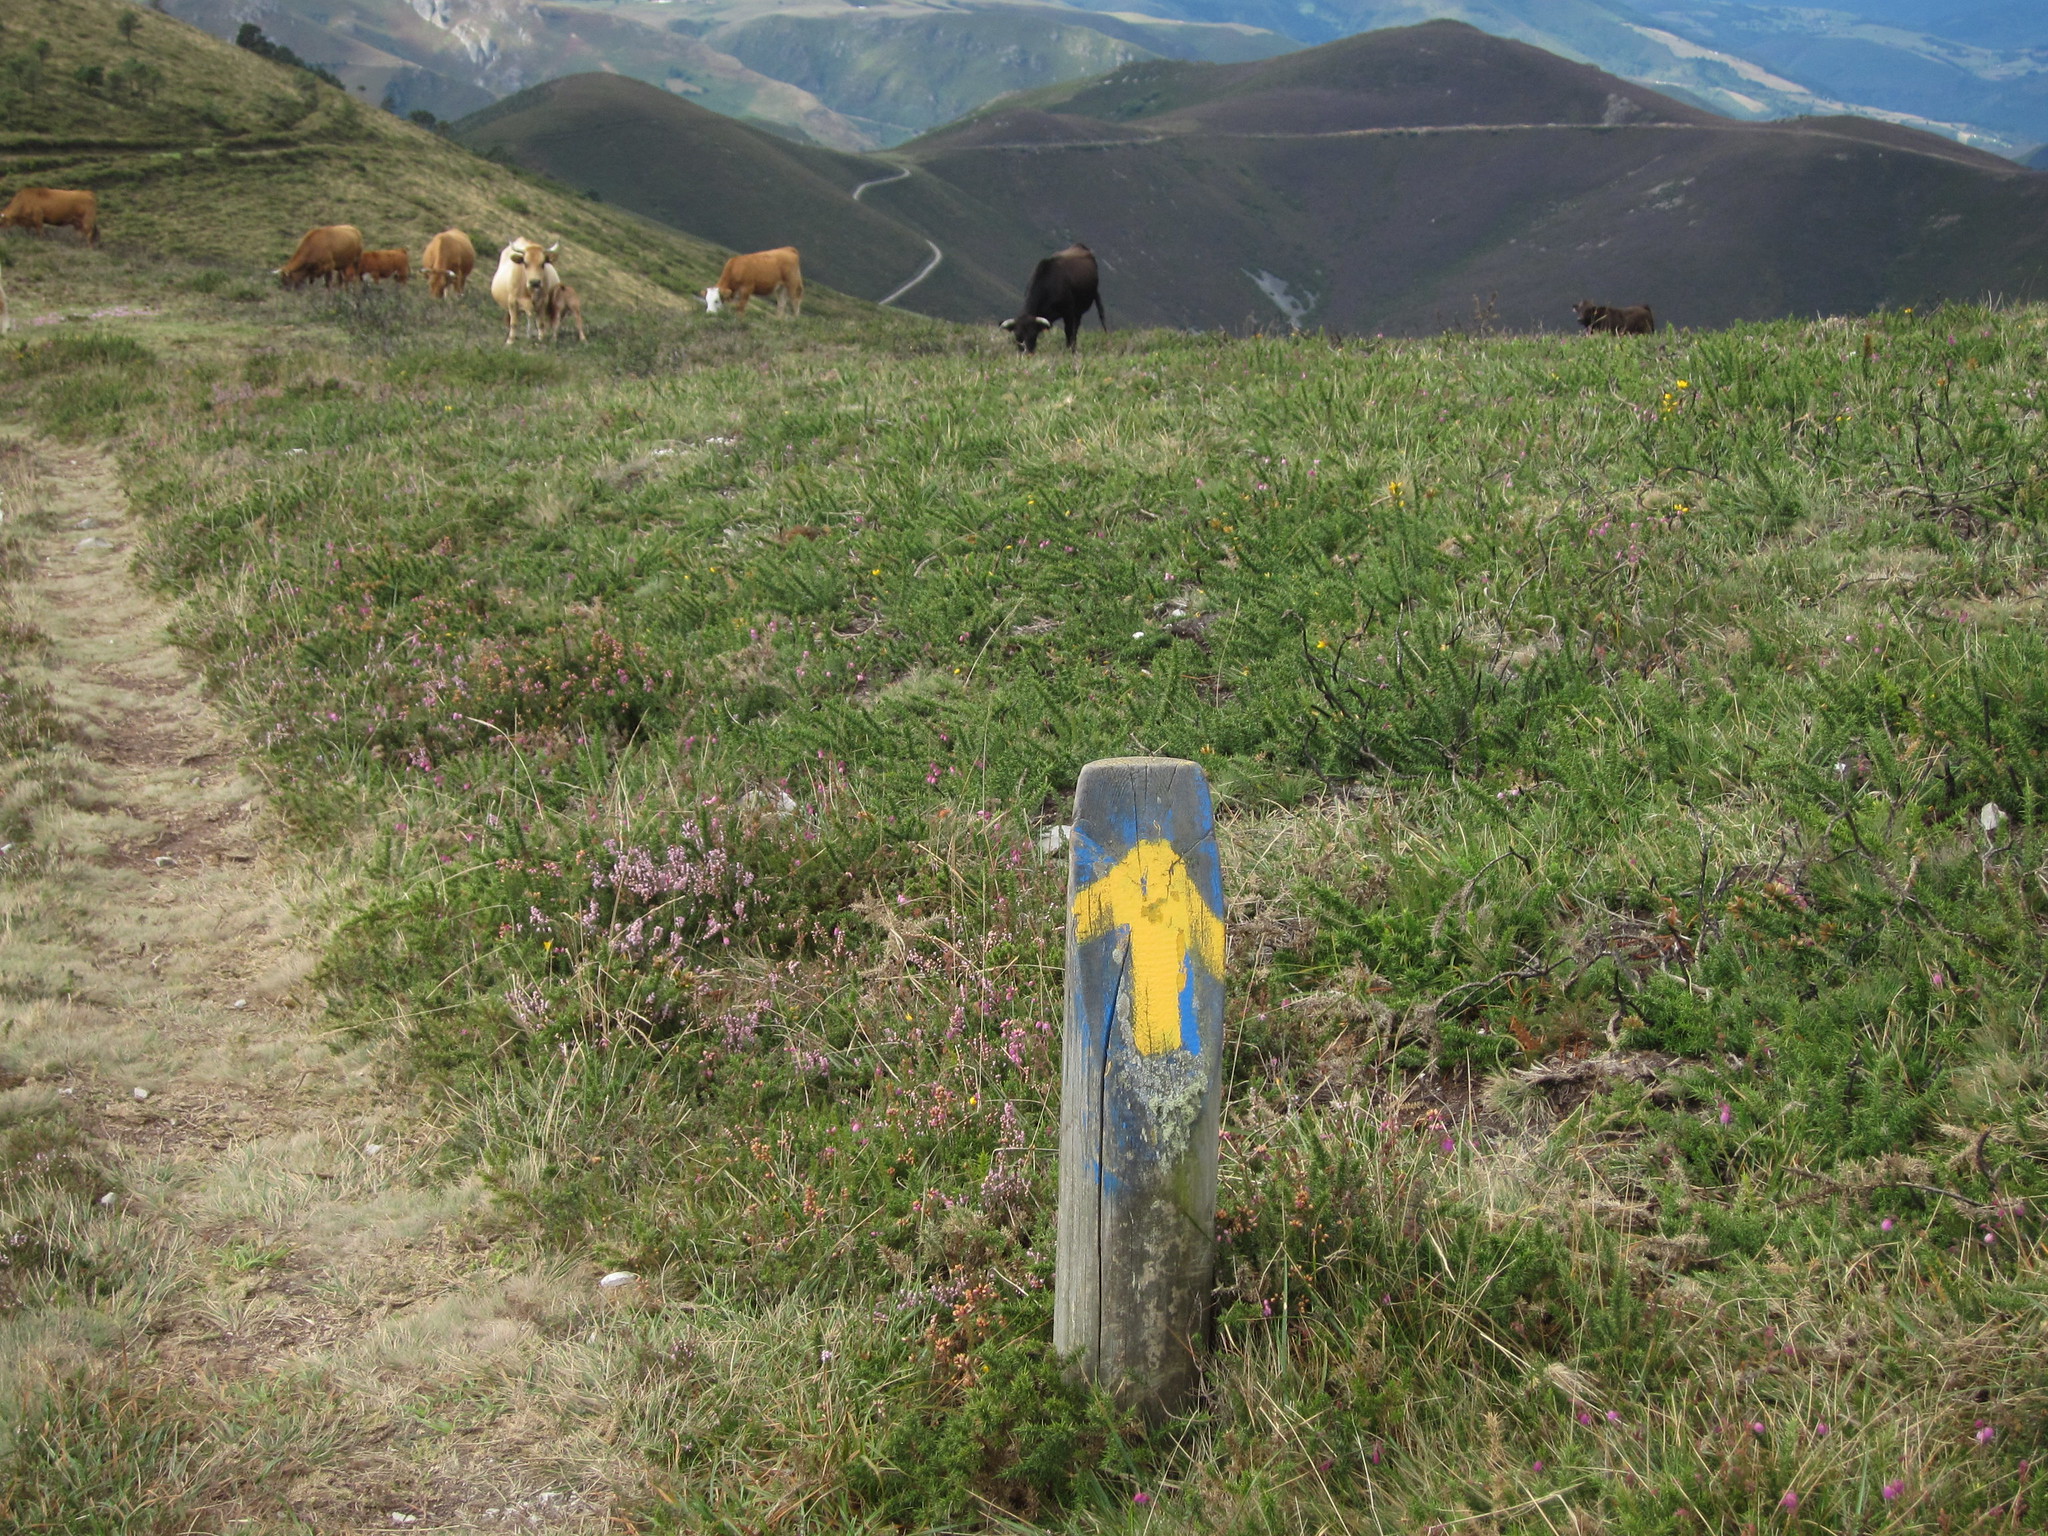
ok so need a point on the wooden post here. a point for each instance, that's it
(1141, 1076)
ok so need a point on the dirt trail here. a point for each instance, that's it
(387, 1362)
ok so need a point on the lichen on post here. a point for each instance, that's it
(1141, 1077)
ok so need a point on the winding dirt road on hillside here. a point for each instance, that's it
(347, 1344)
(938, 255)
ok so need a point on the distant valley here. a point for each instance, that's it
(868, 76)
(1408, 180)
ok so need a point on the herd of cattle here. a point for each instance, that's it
(526, 283)
(1063, 286)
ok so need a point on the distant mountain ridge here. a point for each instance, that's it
(857, 76)
(1404, 180)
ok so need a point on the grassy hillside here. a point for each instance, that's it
(226, 158)
(694, 170)
(1636, 1103)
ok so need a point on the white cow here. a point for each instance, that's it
(524, 280)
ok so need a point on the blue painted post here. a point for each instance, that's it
(1141, 1076)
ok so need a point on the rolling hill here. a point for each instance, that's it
(204, 151)
(693, 169)
(1970, 72)
(848, 78)
(1403, 181)
(903, 74)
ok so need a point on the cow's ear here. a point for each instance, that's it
(1007, 325)
(554, 248)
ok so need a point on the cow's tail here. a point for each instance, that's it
(1100, 313)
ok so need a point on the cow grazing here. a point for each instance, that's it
(448, 260)
(33, 207)
(1616, 319)
(564, 303)
(330, 253)
(1062, 290)
(378, 265)
(521, 285)
(758, 275)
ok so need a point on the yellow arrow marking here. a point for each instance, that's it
(1150, 891)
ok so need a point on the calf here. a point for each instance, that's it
(1063, 287)
(378, 265)
(1618, 320)
(564, 304)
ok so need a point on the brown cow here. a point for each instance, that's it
(564, 303)
(448, 260)
(330, 253)
(378, 265)
(33, 207)
(756, 276)
(1616, 319)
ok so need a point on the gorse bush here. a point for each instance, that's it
(1631, 769)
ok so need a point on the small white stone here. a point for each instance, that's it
(1137, 634)
(107, 1198)
(141, 1094)
(240, 1002)
(1991, 816)
(617, 1278)
(372, 1148)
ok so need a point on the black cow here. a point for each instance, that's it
(1616, 319)
(1063, 288)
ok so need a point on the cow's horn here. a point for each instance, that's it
(1047, 324)
(554, 248)
(1009, 325)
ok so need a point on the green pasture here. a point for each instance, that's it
(1636, 1099)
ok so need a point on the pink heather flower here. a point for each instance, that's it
(1789, 1503)
(1727, 1114)
(1990, 1238)
(1893, 1489)
(1375, 1453)
(1613, 1417)
(1326, 1463)
(1886, 1225)
(1986, 1434)
(1450, 1144)
(1757, 1428)
(1141, 1498)
(1536, 1466)
(1585, 1417)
